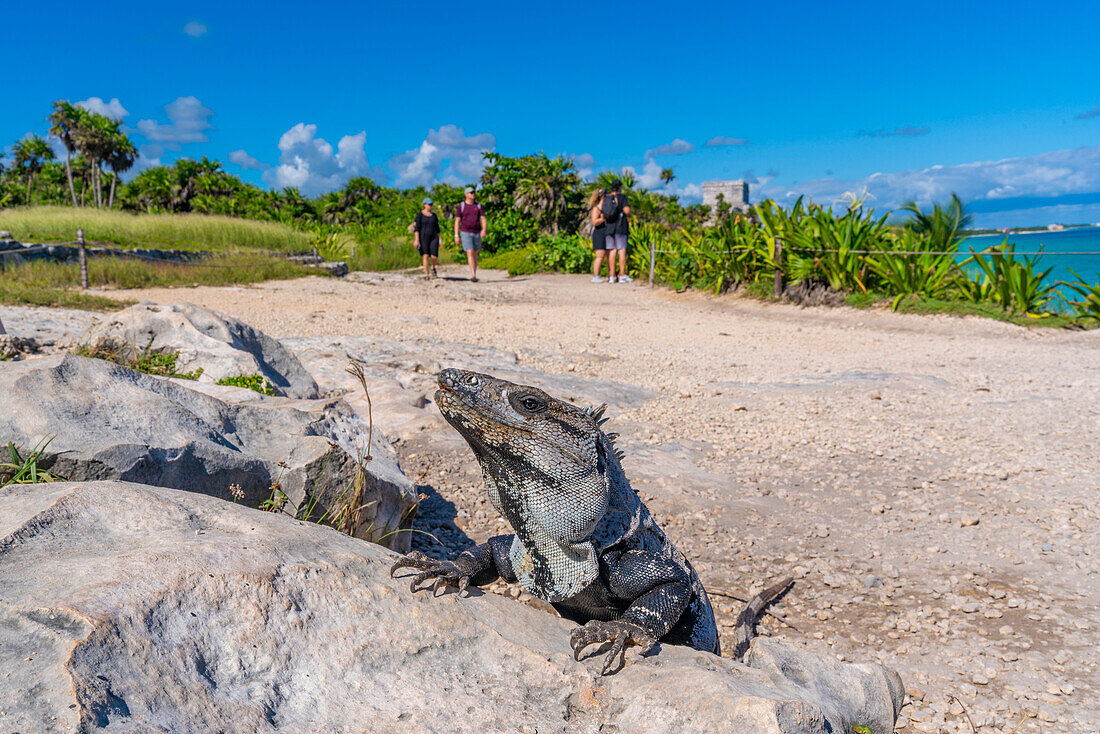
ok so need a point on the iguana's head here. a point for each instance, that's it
(543, 454)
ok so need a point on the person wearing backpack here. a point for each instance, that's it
(616, 213)
(470, 226)
(426, 237)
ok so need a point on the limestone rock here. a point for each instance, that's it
(221, 345)
(110, 422)
(135, 608)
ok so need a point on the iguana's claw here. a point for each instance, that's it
(619, 632)
(445, 573)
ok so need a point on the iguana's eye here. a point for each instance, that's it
(528, 403)
(471, 380)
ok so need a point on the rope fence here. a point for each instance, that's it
(103, 248)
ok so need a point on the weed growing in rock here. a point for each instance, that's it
(24, 470)
(259, 383)
(158, 363)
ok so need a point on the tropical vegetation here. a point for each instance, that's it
(536, 206)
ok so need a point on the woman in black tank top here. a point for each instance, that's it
(599, 232)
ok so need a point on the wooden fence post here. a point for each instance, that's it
(652, 257)
(777, 285)
(82, 255)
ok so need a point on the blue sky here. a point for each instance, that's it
(998, 101)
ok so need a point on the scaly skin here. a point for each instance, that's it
(583, 539)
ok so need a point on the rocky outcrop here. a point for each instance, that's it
(110, 422)
(221, 345)
(135, 608)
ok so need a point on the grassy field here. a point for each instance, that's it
(42, 283)
(175, 231)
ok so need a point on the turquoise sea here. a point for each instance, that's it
(1077, 240)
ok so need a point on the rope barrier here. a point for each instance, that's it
(910, 252)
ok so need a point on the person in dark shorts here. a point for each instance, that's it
(470, 226)
(616, 211)
(426, 237)
(599, 233)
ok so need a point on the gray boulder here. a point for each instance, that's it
(133, 608)
(221, 345)
(110, 422)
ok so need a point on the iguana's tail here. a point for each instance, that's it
(746, 621)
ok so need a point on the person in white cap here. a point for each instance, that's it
(470, 226)
(426, 237)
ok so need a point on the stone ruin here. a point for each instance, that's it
(734, 193)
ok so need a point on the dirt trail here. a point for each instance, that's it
(931, 481)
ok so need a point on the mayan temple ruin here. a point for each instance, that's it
(734, 193)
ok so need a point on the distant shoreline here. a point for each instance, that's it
(1030, 230)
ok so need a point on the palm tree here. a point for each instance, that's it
(120, 159)
(95, 138)
(30, 153)
(64, 121)
(941, 224)
(541, 192)
(667, 175)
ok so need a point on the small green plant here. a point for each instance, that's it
(158, 363)
(921, 273)
(1088, 308)
(24, 470)
(1008, 280)
(335, 245)
(259, 383)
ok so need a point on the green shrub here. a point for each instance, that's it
(1088, 309)
(259, 383)
(1011, 282)
(516, 262)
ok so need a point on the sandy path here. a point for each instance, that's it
(931, 480)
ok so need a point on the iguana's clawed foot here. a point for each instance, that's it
(446, 573)
(620, 633)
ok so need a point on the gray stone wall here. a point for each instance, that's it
(734, 193)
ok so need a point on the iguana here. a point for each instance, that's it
(583, 540)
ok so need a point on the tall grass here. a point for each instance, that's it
(112, 272)
(176, 231)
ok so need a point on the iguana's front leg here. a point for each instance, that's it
(660, 590)
(479, 565)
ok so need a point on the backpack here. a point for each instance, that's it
(462, 209)
(611, 208)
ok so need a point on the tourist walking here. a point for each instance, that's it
(616, 213)
(426, 237)
(599, 233)
(470, 226)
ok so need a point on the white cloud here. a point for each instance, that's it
(148, 156)
(1047, 174)
(308, 163)
(722, 140)
(244, 160)
(112, 109)
(189, 122)
(585, 164)
(650, 176)
(447, 155)
(676, 147)
(194, 29)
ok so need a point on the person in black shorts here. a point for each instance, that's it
(426, 237)
(599, 233)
